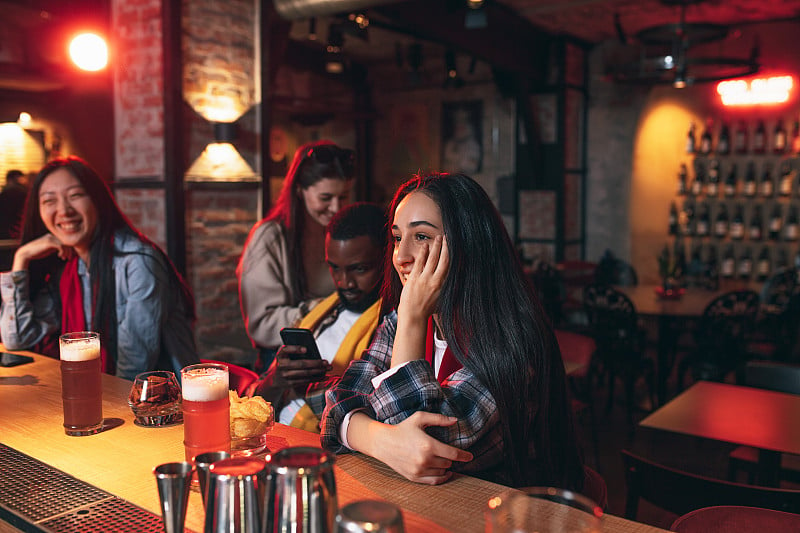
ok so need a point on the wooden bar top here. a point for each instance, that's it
(120, 460)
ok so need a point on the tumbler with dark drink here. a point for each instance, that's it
(81, 393)
(206, 409)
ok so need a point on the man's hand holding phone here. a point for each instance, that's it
(298, 361)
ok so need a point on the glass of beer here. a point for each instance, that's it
(206, 409)
(81, 393)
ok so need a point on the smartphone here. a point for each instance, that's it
(12, 359)
(301, 337)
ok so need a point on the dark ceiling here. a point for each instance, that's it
(30, 59)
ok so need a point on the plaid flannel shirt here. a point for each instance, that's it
(415, 388)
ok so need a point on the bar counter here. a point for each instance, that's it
(120, 460)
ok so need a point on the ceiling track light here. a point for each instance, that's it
(678, 67)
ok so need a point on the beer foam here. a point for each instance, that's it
(204, 385)
(84, 350)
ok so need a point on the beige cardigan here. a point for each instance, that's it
(265, 286)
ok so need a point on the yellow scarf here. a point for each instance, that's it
(355, 342)
(357, 339)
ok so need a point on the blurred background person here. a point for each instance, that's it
(343, 323)
(83, 266)
(12, 202)
(282, 271)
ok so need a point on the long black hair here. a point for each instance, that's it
(312, 163)
(110, 219)
(496, 328)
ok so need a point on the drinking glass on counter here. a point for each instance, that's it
(206, 409)
(155, 399)
(81, 393)
(543, 510)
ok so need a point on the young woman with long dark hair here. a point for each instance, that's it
(465, 374)
(82, 265)
(282, 272)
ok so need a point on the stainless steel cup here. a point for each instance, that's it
(174, 481)
(202, 463)
(370, 516)
(301, 495)
(236, 496)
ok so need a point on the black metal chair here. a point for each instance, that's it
(614, 325)
(679, 492)
(550, 289)
(777, 377)
(773, 336)
(612, 270)
(720, 338)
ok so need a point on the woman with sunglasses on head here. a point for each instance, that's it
(465, 374)
(83, 266)
(282, 271)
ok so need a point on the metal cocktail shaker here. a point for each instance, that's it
(301, 493)
(236, 496)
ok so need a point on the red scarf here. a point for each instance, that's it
(72, 309)
(449, 362)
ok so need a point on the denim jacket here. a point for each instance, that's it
(154, 329)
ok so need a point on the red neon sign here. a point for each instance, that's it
(759, 91)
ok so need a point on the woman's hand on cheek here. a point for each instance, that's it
(424, 284)
(38, 248)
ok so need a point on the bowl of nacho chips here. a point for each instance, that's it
(251, 420)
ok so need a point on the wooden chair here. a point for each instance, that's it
(239, 377)
(679, 492)
(773, 376)
(721, 337)
(620, 341)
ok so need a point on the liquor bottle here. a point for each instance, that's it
(721, 222)
(679, 252)
(728, 268)
(699, 178)
(763, 265)
(683, 176)
(755, 228)
(712, 269)
(712, 183)
(775, 222)
(796, 136)
(737, 223)
(749, 186)
(691, 143)
(786, 180)
(790, 230)
(673, 219)
(779, 138)
(746, 264)
(782, 261)
(705, 138)
(740, 138)
(724, 141)
(766, 186)
(703, 221)
(729, 188)
(760, 138)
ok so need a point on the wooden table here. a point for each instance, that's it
(767, 420)
(669, 311)
(120, 461)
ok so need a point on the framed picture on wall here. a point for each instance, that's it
(462, 134)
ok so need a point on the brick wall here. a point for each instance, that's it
(218, 221)
(138, 94)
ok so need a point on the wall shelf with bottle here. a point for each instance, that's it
(737, 203)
